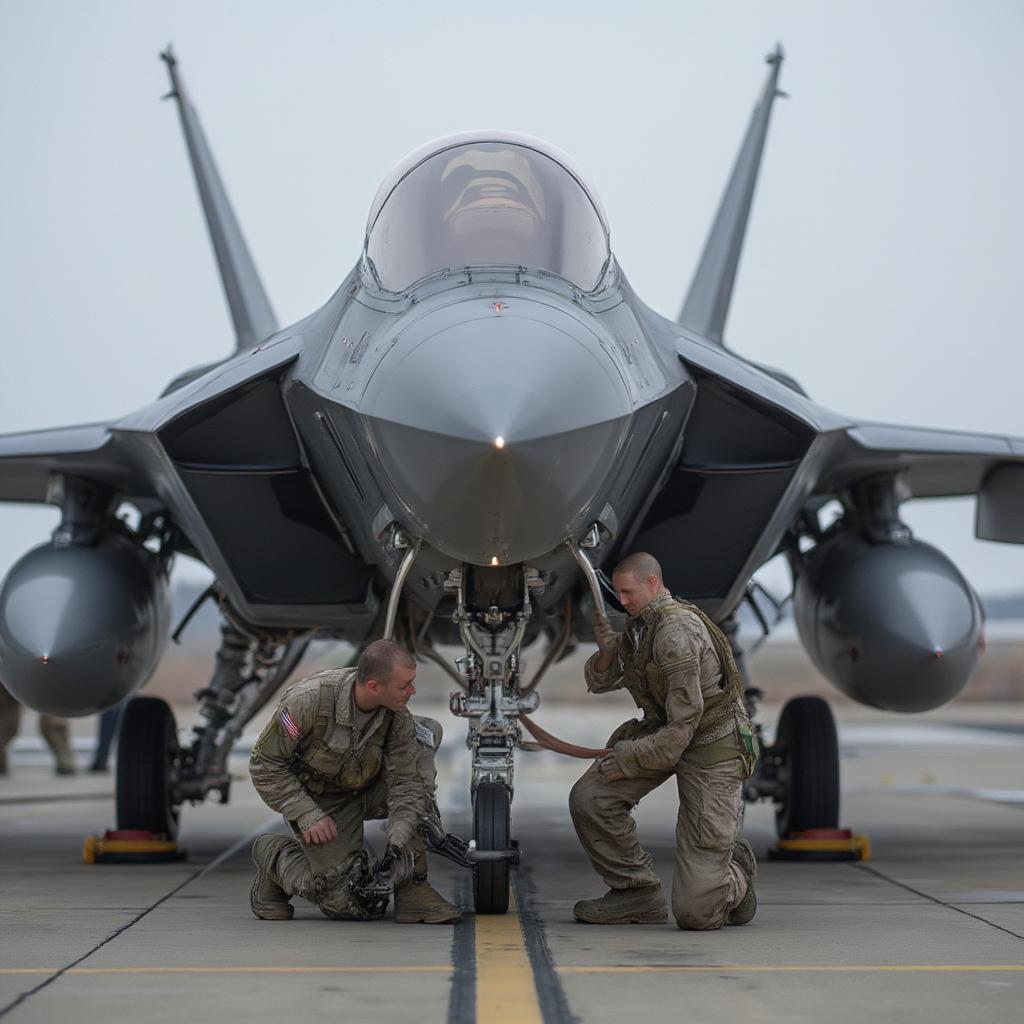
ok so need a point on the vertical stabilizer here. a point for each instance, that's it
(707, 303)
(253, 318)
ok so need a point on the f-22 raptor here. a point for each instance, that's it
(451, 450)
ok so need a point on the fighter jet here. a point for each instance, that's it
(455, 449)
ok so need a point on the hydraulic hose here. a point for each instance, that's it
(546, 740)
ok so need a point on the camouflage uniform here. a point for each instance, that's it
(53, 730)
(671, 658)
(312, 761)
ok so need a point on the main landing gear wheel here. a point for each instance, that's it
(807, 753)
(492, 831)
(147, 751)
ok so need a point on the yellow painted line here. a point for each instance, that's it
(505, 992)
(790, 968)
(406, 969)
(503, 954)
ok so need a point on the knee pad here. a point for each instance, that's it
(269, 846)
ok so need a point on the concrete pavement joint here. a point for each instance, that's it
(10, 801)
(462, 999)
(571, 969)
(791, 968)
(934, 899)
(553, 1002)
(261, 969)
(206, 869)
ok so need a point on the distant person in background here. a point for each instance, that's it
(53, 730)
(107, 727)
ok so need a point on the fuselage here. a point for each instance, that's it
(491, 414)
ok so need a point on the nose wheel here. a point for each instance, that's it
(492, 610)
(492, 832)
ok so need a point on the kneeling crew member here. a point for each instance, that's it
(341, 749)
(680, 670)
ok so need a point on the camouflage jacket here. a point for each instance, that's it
(670, 665)
(310, 747)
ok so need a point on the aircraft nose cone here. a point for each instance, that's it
(497, 429)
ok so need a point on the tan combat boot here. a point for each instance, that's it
(268, 900)
(642, 904)
(420, 903)
(744, 911)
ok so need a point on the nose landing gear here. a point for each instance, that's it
(492, 702)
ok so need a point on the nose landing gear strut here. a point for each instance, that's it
(492, 702)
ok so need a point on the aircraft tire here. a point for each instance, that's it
(492, 831)
(808, 750)
(147, 747)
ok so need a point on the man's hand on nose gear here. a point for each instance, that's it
(606, 638)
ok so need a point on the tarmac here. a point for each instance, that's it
(930, 929)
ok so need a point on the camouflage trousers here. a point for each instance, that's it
(706, 884)
(53, 730)
(318, 873)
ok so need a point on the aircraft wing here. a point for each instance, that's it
(27, 460)
(939, 463)
(935, 463)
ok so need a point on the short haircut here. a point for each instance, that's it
(380, 660)
(639, 565)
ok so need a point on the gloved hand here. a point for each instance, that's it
(608, 767)
(606, 637)
(400, 861)
(447, 844)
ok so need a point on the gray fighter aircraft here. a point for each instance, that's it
(448, 451)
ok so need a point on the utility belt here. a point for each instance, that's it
(317, 783)
(733, 738)
(720, 739)
(311, 779)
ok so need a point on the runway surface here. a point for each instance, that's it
(931, 929)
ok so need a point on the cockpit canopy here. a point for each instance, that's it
(486, 199)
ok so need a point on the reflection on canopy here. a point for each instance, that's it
(487, 204)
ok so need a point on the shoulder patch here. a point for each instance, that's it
(288, 724)
(424, 735)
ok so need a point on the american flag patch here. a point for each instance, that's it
(288, 724)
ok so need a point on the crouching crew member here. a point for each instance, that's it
(680, 670)
(341, 749)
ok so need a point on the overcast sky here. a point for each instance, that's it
(882, 266)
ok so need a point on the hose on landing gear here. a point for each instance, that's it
(549, 742)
